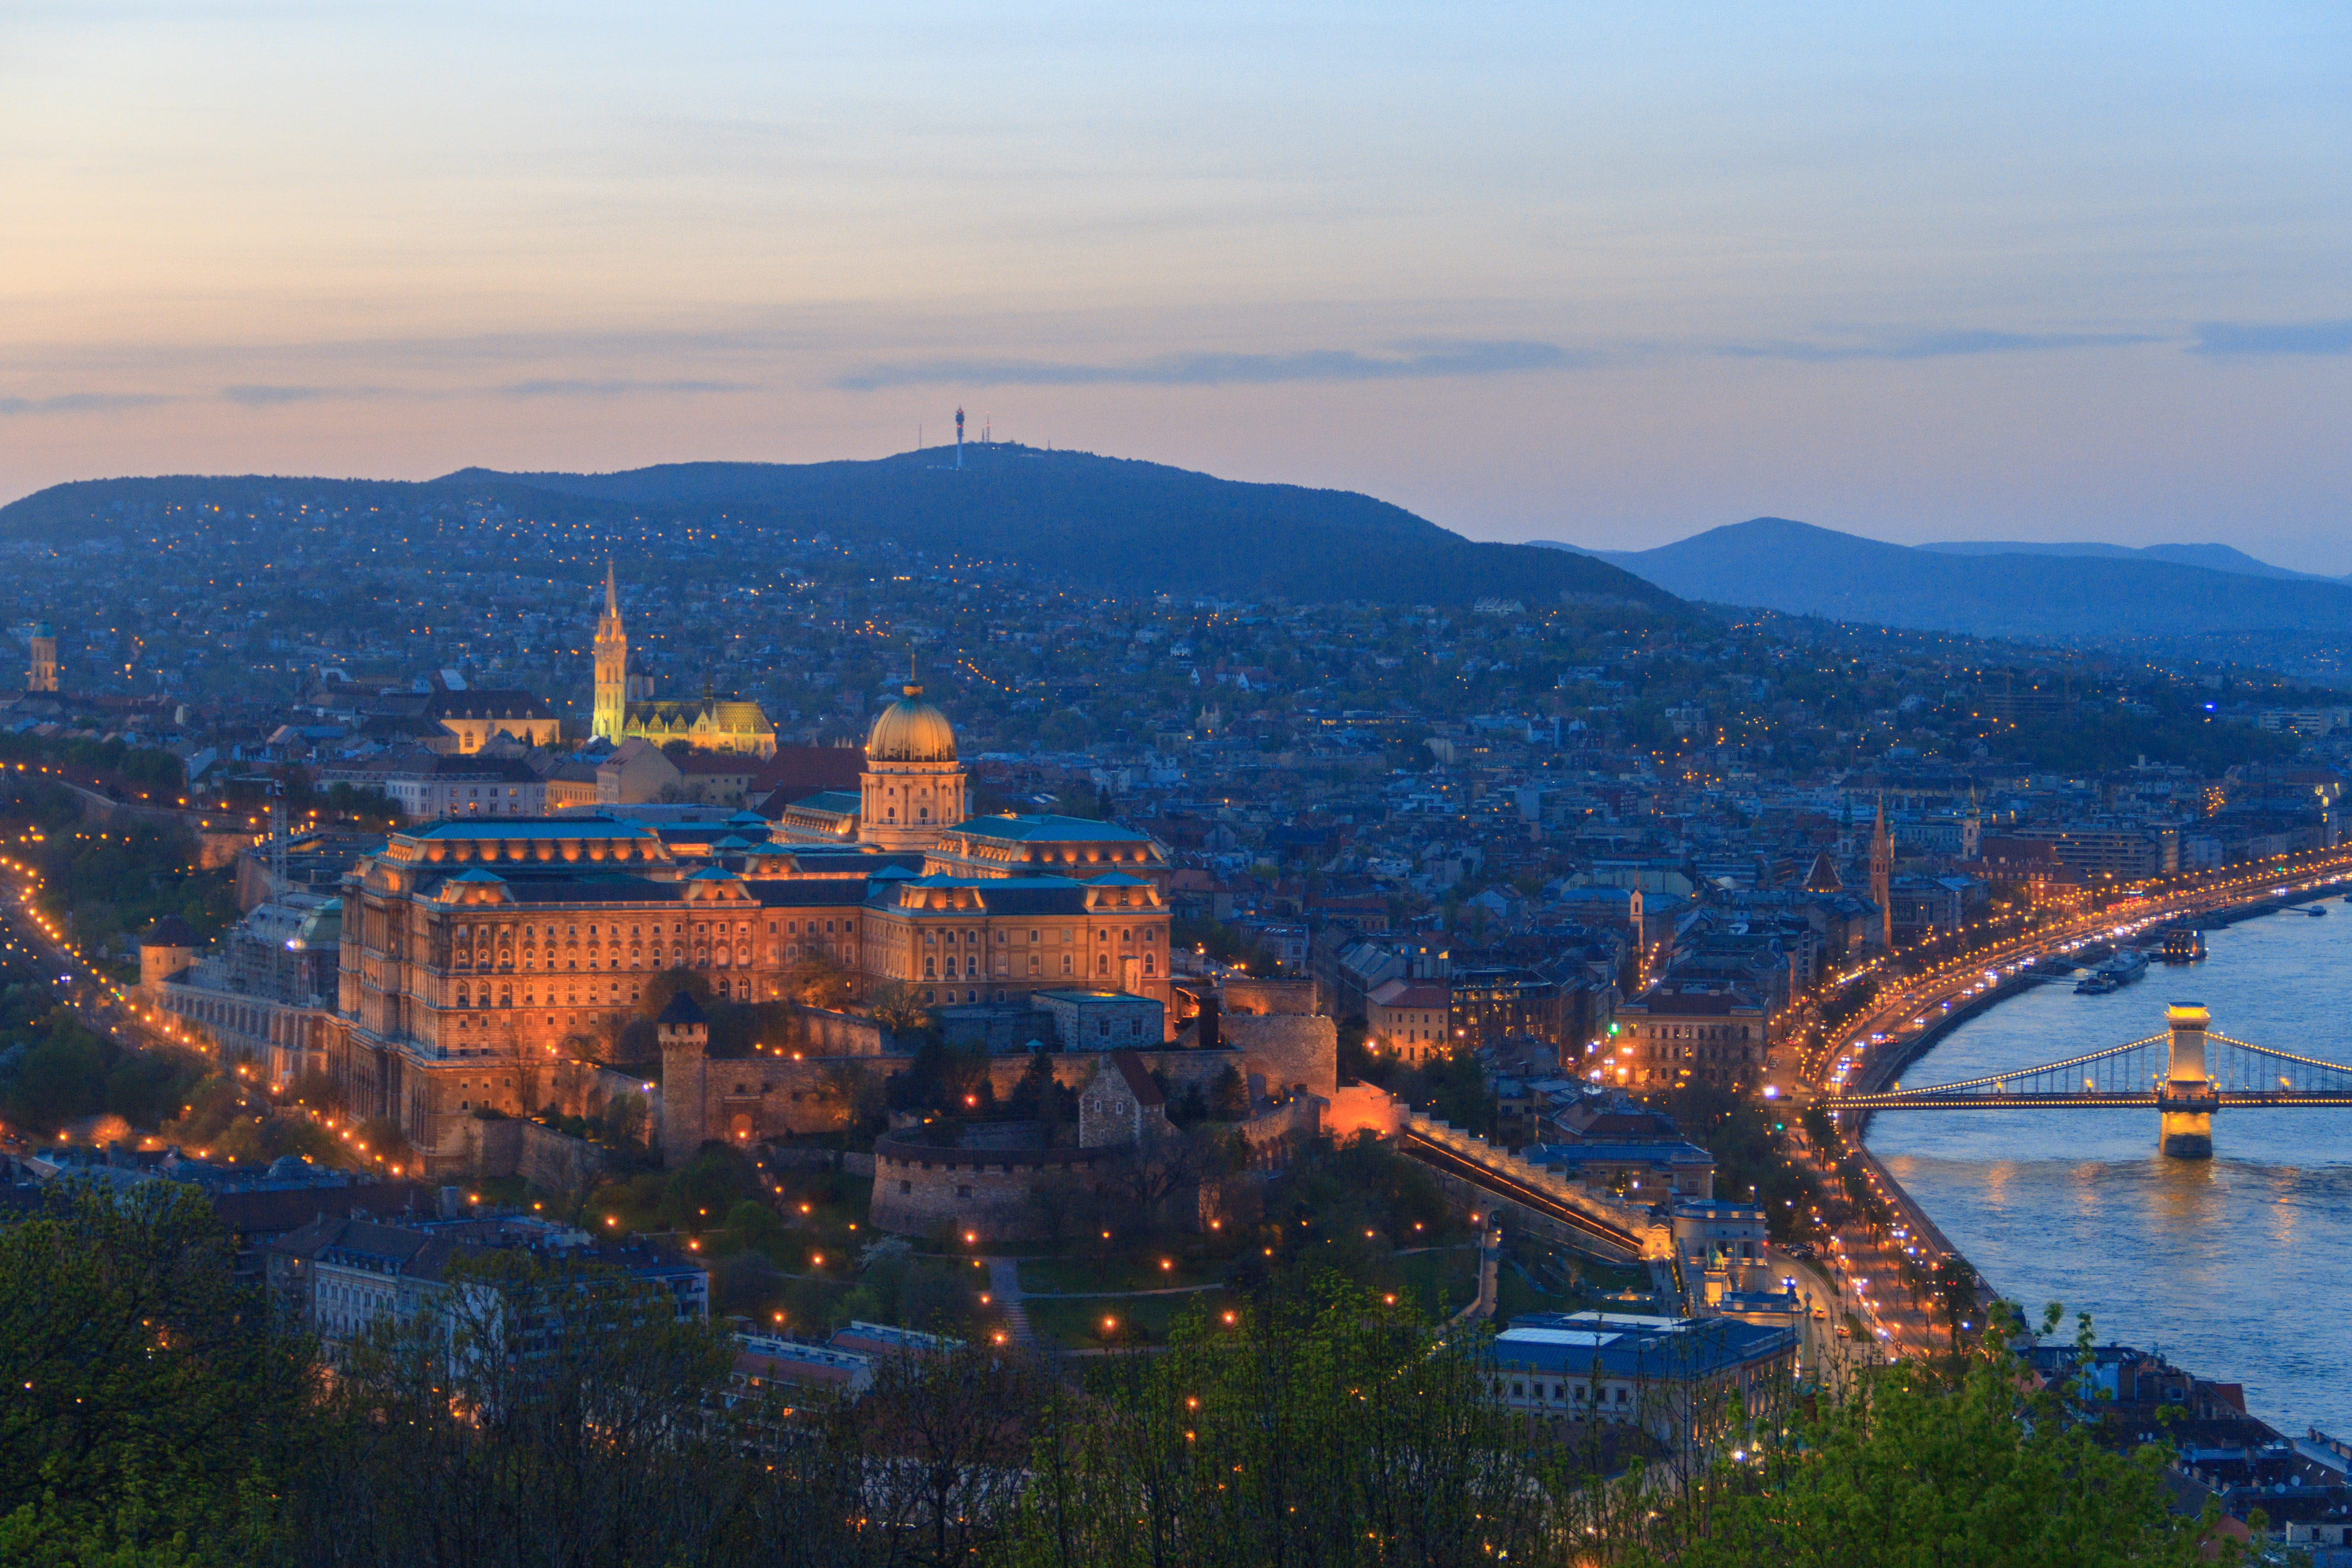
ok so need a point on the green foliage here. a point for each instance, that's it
(1450, 1087)
(1972, 1472)
(1749, 1154)
(54, 1071)
(699, 1196)
(148, 1408)
(2114, 739)
(140, 769)
(908, 1290)
(1317, 1426)
(155, 1421)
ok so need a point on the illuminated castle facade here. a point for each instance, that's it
(487, 964)
(626, 707)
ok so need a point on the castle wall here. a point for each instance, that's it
(748, 1099)
(1289, 1049)
(1244, 995)
(510, 1146)
(986, 1193)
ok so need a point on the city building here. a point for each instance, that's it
(1409, 1019)
(1682, 1380)
(342, 1276)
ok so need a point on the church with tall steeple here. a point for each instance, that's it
(625, 708)
(1881, 877)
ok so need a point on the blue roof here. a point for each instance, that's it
(1043, 830)
(1616, 1345)
(1673, 1150)
(839, 802)
(528, 827)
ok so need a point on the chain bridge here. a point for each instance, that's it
(2185, 1073)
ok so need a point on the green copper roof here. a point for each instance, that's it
(528, 827)
(1048, 829)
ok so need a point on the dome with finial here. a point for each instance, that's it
(911, 731)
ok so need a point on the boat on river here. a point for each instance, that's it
(2127, 965)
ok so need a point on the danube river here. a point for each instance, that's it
(2239, 1267)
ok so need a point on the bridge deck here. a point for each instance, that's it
(1928, 1099)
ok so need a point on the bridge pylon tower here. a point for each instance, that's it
(2187, 1098)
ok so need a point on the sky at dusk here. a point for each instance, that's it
(1603, 274)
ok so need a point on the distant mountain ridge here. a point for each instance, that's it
(2211, 557)
(1108, 523)
(1984, 590)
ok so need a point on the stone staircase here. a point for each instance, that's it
(1004, 1293)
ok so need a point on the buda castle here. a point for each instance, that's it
(483, 959)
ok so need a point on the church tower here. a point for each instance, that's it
(42, 675)
(612, 650)
(1972, 828)
(1881, 877)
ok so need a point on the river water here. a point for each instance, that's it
(2239, 1267)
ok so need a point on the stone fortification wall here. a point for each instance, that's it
(1290, 1049)
(510, 1146)
(919, 1191)
(817, 1032)
(1246, 996)
(748, 1099)
(1273, 1136)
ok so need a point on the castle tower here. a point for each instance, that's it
(42, 673)
(1882, 875)
(168, 948)
(685, 1034)
(913, 787)
(611, 651)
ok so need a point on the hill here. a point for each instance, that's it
(1798, 568)
(1101, 522)
(2212, 557)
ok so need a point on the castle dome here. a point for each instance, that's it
(911, 731)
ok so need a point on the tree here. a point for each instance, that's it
(955, 1424)
(896, 1006)
(146, 1401)
(816, 980)
(1985, 1471)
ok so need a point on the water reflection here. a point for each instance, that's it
(2216, 1262)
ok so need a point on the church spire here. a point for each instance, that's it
(1881, 874)
(612, 667)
